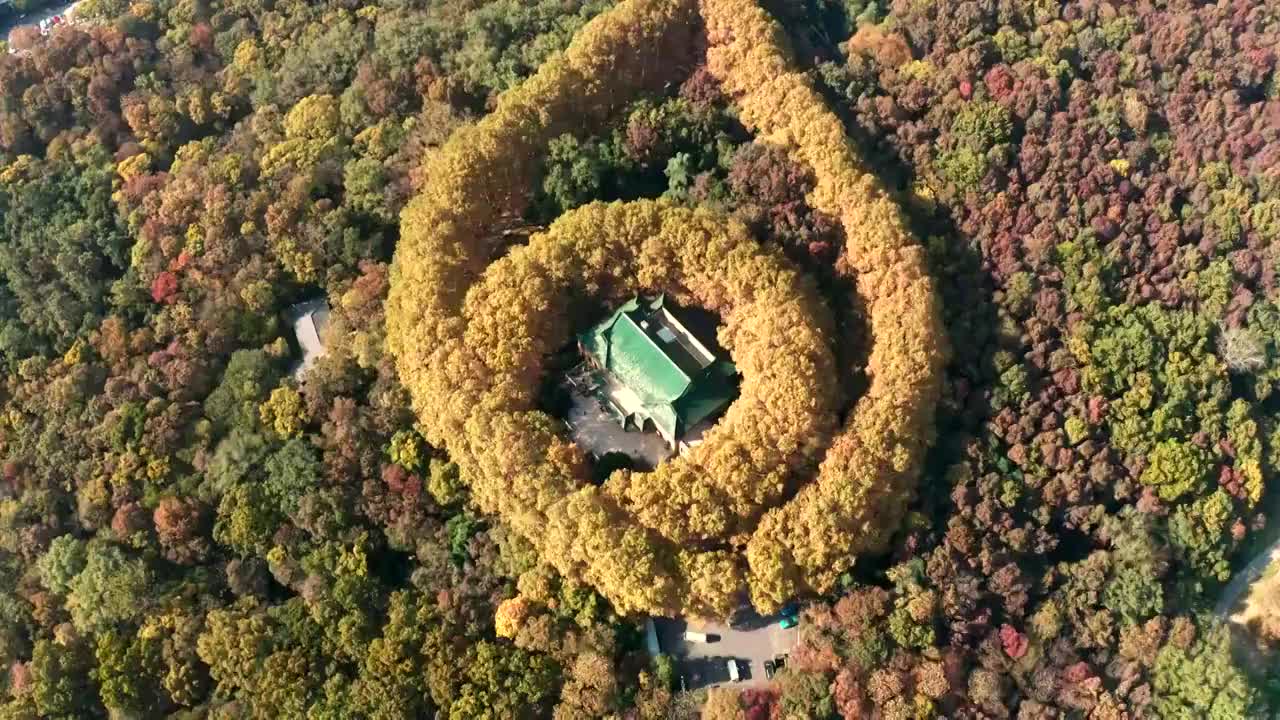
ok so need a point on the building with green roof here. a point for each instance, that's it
(658, 373)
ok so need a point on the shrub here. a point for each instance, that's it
(1175, 468)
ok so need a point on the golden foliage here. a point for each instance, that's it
(510, 616)
(774, 326)
(470, 336)
(284, 413)
(723, 704)
(865, 481)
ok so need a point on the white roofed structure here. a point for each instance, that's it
(309, 319)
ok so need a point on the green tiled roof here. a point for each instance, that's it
(678, 384)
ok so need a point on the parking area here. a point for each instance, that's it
(705, 664)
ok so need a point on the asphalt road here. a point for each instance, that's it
(1229, 601)
(1243, 579)
(9, 21)
(706, 664)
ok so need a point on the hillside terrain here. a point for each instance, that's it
(1000, 278)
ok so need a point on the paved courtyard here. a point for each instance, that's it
(706, 664)
(597, 431)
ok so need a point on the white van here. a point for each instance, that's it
(733, 671)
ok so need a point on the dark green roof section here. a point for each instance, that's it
(708, 396)
(676, 378)
(640, 363)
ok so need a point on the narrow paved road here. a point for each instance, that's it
(1239, 584)
(10, 21)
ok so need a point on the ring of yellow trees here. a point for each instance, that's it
(469, 352)
(774, 325)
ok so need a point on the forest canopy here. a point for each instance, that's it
(470, 354)
(1080, 204)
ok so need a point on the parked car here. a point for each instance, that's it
(769, 669)
(733, 670)
(779, 662)
(788, 622)
(693, 636)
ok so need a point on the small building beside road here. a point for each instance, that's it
(309, 320)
